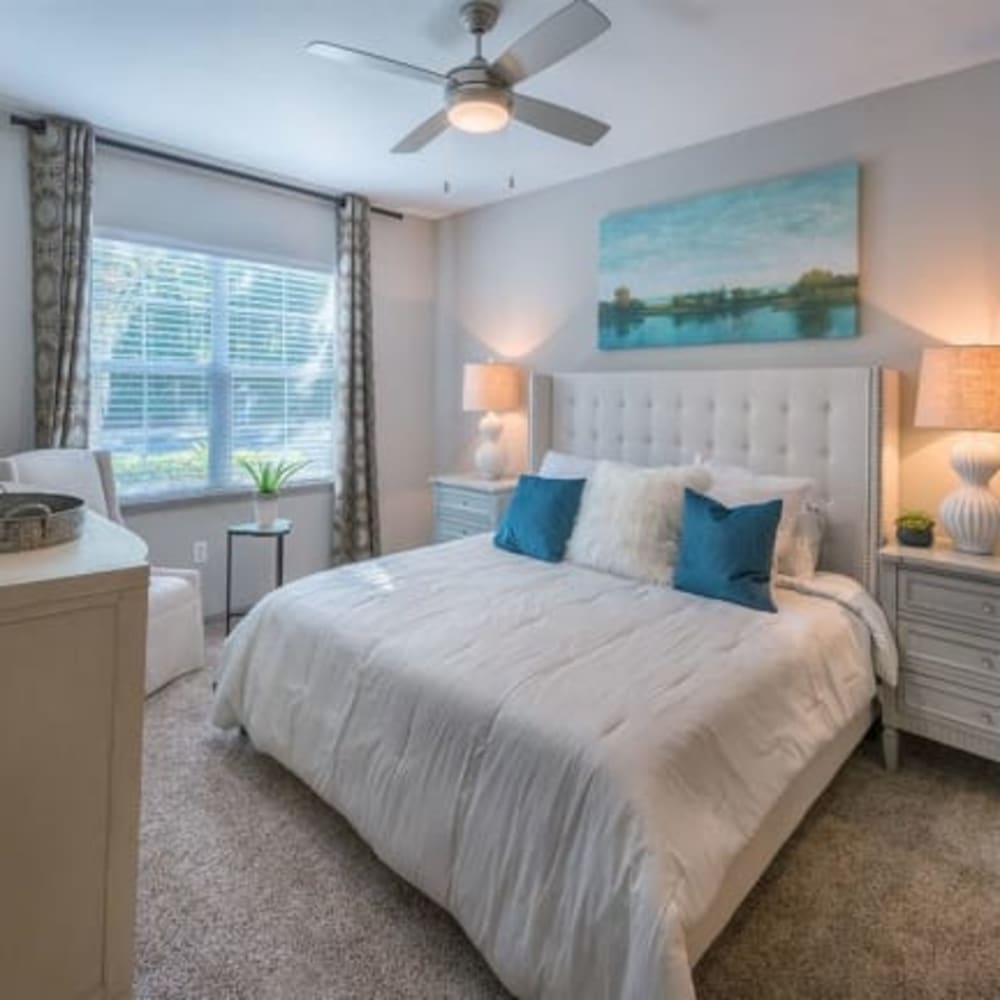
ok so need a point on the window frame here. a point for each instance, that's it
(163, 499)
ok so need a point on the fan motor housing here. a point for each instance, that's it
(476, 82)
(475, 76)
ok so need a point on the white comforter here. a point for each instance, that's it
(565, 760)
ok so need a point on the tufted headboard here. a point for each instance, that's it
(839, 426)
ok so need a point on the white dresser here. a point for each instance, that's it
(72, 656)
(468, 505)
(945, 610)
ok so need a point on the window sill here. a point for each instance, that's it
(197, 498)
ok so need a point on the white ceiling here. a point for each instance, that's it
(228, 79)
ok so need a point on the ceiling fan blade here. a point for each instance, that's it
(423, 134)
(558, 121)
(369, 60)
(556, 37)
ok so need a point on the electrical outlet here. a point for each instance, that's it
(200, 553)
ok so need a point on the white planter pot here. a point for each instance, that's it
(265, 510)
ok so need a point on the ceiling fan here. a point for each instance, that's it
(479, 95)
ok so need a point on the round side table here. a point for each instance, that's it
(277, 531)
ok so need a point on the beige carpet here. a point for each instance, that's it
(252, 889)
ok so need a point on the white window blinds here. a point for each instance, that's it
(198, 360)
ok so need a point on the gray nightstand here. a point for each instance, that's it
(945, 610)
(468, 505)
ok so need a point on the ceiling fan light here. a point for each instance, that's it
(480, 111)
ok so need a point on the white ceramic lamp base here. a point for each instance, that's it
(971, 514)
(489, 454)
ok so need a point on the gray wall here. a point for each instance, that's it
(138, 195)
(519, 279)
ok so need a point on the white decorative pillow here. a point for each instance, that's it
(561, 465)
(809, 531)
(796, 548)
(629, 522)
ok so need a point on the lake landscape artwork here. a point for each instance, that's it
(777, 260)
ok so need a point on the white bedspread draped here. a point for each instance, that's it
(565, 760)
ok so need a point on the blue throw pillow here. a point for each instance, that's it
(726, 552)
(540, 517)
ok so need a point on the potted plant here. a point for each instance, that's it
(268, 476)
(914, 527)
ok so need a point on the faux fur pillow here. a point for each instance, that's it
(629, 521)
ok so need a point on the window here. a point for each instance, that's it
(198, 360)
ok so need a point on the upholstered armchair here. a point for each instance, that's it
(175, 641)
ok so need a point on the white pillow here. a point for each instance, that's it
(561, 465)
(809, 531)
(629, 522)
(796, 547)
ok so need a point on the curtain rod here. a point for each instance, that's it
(38, 125)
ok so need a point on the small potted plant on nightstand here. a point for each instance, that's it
(268, 477)
(914, 527)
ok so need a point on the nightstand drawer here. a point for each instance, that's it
(944, 596)
(458, 501)
(939, 650)
(448, 528)
(951, 703)
(475, 520)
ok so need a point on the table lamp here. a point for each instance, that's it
(959, 389)
(490, 387)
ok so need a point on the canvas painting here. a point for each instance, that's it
(771, 261)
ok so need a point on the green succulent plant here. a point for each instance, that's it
(270, 475)
(915, 520)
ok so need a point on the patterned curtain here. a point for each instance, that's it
(355, 502)
(61, 162)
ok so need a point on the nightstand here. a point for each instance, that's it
(468, 505)
(944, 608)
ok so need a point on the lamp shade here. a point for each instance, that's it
(491, 387)
(959, 388)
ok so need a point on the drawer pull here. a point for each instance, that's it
(988, 663)
(989, 608)
(988, 717)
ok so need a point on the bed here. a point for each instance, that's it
(588, 772)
